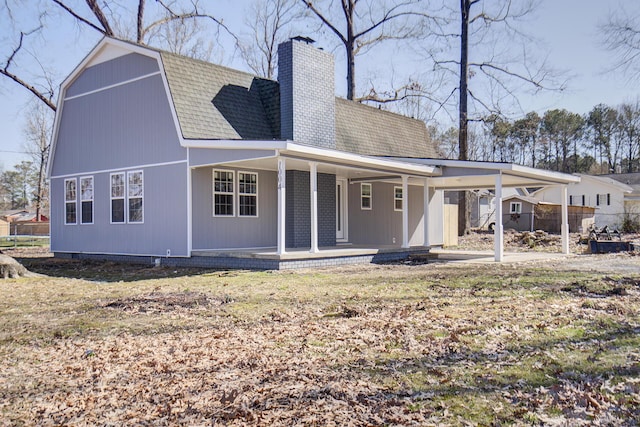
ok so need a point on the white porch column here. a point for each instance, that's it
(282, 205)
(564, 227)
(498, 237)
(405, 211)
(313, 172)
(425, 213)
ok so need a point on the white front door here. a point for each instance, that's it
(341, 209)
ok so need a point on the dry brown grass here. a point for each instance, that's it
(433, 344)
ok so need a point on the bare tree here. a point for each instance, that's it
(267, 21)
(360, 25)
(498, 57)
(37, 131)
(621, 37)
(111, 19)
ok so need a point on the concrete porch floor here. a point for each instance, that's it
(347, 250)
(488, 257)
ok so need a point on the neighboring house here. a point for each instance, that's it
(4, 227)
(604, 194)
(526, 213)
(483, 206)
(632, 199)
(162, 158)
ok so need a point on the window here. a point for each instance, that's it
(70, 206)
(571, 200)
(117, 198)
(583, 200)
(515, 208)
(223, 193)
(247, 194)
(135, 193)
(365, 196)
(86, 200)
(397, 198)
(602, 199)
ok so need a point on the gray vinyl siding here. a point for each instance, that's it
(111, 72)
(211, 232)
(381, 224)
(207, 156)
(165, 217)
(121, 127)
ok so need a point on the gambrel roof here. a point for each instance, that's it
(216, 102)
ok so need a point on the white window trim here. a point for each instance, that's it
(129, 173)
(124, 198)
(370, 196)
(518, 209)
(75, 201)
(395, 199)
(93, 195)
(237, 178)
(214, 192)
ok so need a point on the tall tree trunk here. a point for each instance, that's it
(351, 52)
(464, 220)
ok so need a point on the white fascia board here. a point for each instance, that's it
(130, 47)
(317, 153)
(608, 182)
(524, 171)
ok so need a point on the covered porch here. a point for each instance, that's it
(321, 206)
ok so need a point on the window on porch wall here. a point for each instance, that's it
(365, 196)
(397, 198)
(247, 194)
(223, 193)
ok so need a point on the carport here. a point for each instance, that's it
(460, 175)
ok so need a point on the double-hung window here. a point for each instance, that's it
(603, 199)
(117, 197)
(397, 198)
(70, 201)
(247, 194)
(86, 200)
(135, 193)
(365, 196)
(223, 192)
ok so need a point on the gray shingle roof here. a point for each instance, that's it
(215, 102)
(367, 130)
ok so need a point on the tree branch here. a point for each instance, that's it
(78, 17)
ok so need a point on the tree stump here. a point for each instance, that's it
(10, 268)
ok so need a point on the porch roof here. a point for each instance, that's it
(329, 160)
(472, 175)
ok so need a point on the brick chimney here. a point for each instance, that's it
(307, 93)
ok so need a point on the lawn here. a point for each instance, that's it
(431, 344)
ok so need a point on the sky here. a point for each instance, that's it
(568, 30)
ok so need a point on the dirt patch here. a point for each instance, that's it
(166, 301)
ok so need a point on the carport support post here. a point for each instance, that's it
(425, 214)
(564, 227)
(498, 237)
(313, 172)
(282, 200)
(405, 211)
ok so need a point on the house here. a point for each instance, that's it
(604, 194)
(483, 208)
(162, 158)
(632, 199)
(4, 227)
(526, 213)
